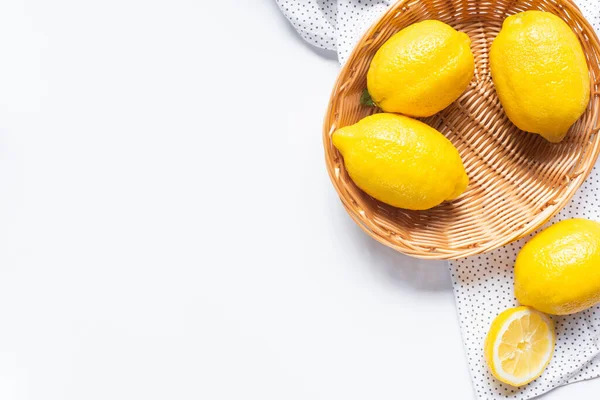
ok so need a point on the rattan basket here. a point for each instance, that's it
(518, 180)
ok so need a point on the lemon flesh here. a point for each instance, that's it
(519, 345)
(558, 271)
(401, 161)
(540, 73)
(421, 70)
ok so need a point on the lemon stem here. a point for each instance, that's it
(366, 99)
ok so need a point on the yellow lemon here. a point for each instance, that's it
(401, 161)
(519, 345)
(421, 70)
(558, 271)
(540, 74)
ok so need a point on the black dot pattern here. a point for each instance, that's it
(333, 24)
(315, 21)
(483, 288)
(338, 24)
(483, 285)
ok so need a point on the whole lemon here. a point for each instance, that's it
(401, 161)
(558, 271)
(421, 70)
(540, 74)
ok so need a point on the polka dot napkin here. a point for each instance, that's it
(333, 24)
(483, 285)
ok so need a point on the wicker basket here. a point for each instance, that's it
(518, 180)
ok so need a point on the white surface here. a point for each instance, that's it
(483, 285)
(167, 227)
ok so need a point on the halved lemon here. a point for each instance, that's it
(519, 345)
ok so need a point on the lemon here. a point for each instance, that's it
(421, 70)
(519, 345)
(540, 73)
(401, 161)
(558, 271)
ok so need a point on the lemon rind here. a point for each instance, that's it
(509, 378)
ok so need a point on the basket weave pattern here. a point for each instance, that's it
(518, 180)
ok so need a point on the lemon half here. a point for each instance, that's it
(519, 345)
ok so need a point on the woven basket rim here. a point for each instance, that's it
(405, 245)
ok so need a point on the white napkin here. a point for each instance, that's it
(483, 285)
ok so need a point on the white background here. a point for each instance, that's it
(168, 229)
